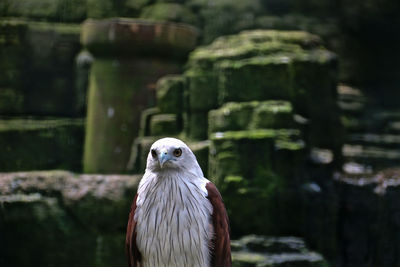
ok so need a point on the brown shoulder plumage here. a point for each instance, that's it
(221, 254)
(132, 252)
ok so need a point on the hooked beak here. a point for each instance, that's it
(163, 157)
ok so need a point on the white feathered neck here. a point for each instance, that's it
(173, 215)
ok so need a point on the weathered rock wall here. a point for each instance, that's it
(38, 69)
(57, 218)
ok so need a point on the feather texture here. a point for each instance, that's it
(177, 217)
(221, 252)
(131, 249)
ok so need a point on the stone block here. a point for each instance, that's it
(139, 152)
(37, 144)
(201, 89)
(245, 167)
(254, 79)
(48, 10)
(39, 63)
(272, 114)
(234, 116)
(170, 94)
(196, 125)
(164, 125)
(42, 208)
(260, 251)
(145, 118)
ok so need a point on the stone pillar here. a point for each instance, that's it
(129, 56)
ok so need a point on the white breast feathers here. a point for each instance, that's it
(174, 225)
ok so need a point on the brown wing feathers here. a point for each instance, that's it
(132, 251)
(221, 255)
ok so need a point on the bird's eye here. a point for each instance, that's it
(154, 153)
(177, 152)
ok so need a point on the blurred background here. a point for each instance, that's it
(291, 107)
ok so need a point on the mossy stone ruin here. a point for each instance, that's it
(257, 102)
(129, 56)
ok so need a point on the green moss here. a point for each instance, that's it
(45, 210)
(250, 169)
(110, 117)
(59, 28)
(169, 12)
(39, 63)
(251, 115)
(32, 144)
(164, 124)
(245, 259)
(34, 124)
(201, 89)
(272, 114)
(257, 79)
(231, 116)
(254, 43)
(50, 10)
(170, 94)
(255, 134)
(196, 125)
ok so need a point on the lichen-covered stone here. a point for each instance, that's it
(164, 124)
(281, 65)
(234, 116)
(254, 43)
(170, 94)
(37, 144)
(201, 89)
(86, 212)
(261, 251)
(12, 59)
(49, 10)
(38, 60)
(231, 116)
(245, 166)
(254, 79)
(272, 114)
(196, 125)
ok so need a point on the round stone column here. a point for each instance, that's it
(129, 56)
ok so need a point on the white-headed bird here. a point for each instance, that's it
(177, 217)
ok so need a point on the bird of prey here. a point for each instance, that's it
(177, 217)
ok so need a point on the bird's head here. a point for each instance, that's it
(169, 154)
